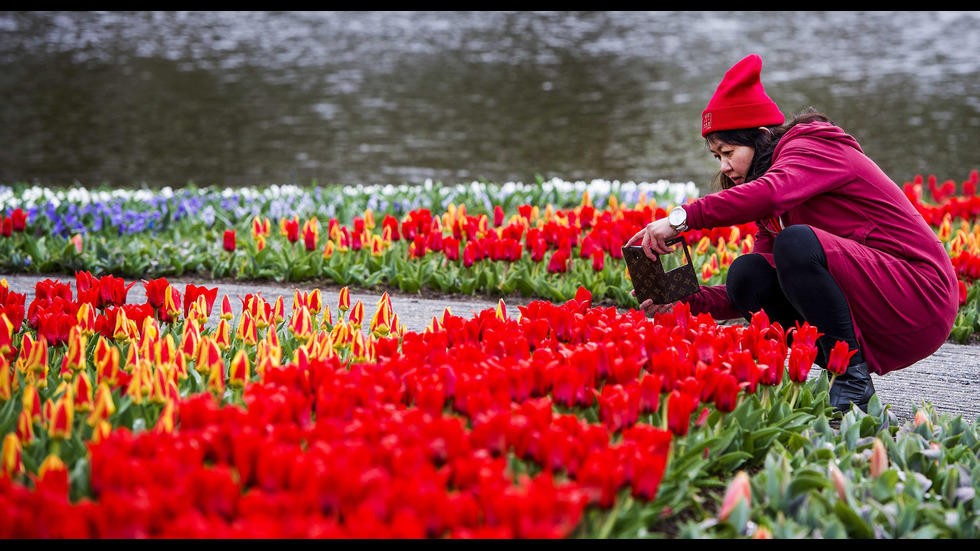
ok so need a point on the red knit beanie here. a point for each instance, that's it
(740, 101)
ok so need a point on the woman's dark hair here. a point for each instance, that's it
(764, 144)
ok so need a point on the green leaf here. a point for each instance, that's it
(856, 526)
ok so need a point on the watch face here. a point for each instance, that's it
(676, 217)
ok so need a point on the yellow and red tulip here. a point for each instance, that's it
(226, 311)
(356, 316)
(190, 340)
(209, 356)
(107, 368)
(222, 335)
(6, 334)
(278, 314)
(239, 371)
(135, 387)
(301, 324)
(314, 301)
(11, 463)
(247, 330)
(159, 384)
(168, 418)
(85, 317)
(31, 403)
(120, 331)
(102, 406)
(216, 378)
(344, 300)
(6, 380)
(340, 335)
(501, 312)
(74, 358)
(83, 392)
(62, 417)
(25, 427)
(101, 431)
(53, 473)
(165, 351)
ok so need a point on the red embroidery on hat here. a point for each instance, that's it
(706, 121)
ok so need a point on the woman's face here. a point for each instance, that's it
(734, 160)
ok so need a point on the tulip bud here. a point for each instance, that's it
(62, 418)
(239, 371)
(301, 324)
(83, 392)
(314, 302)
(226, 311)
(229, 240)
(103, 406)
(216, 378)
(340, 335)
(53, 475)
(168, 418)
(278, 311)
(879, 458)
(31, 403)
(356, 316)
(86, 319)
(107, 368)
(190, 340)
(344, 304)
(840, 482)
(135, 387)
(101, 431)
(10, 457)
(739, 489)
(25, 426)
(6, 380)
(74, 359)
(159, 384)
(209, 356)
(222, 335)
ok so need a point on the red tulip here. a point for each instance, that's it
(726, 392)
(229, 240)
(680, 406)
(839, 358)
(18, 220)
(801, 358)
(156, 290)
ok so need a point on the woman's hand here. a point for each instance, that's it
(650, 309)
(653, 238)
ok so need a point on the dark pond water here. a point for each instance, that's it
(258, 98)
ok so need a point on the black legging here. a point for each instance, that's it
(800, 288)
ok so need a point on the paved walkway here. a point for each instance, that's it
(949, 379)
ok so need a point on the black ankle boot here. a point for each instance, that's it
(853, 386)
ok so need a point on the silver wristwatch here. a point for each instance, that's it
(677, 217)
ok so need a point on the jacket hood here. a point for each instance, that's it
(821, 131)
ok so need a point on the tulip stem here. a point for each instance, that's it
(610, 520)
(796, 393)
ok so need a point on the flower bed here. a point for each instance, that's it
(566, 418)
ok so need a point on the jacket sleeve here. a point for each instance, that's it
(804, 167)
(714, 300)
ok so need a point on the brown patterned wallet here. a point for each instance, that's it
(652, 282)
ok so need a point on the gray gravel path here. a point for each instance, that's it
(949, 379)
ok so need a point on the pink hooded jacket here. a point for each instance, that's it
(897, 276)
